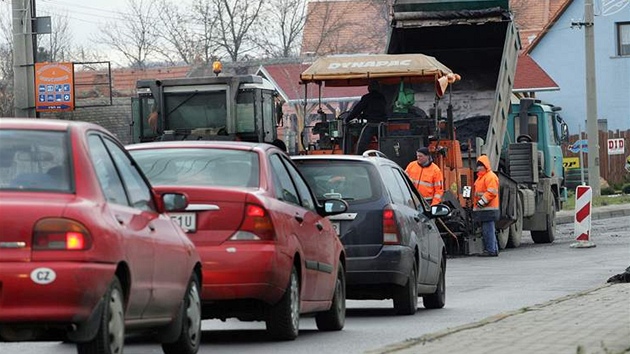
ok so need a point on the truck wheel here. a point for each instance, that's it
(335, 317)
(438, 298)
(406, 297)
(547, 236)
(502, 237)
(516, 229)
(110, 338)
(284, 318)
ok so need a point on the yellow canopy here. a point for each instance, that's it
(358, 70)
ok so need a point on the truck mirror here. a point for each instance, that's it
(564, 137)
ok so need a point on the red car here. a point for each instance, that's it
(87, 251)
(269, 253)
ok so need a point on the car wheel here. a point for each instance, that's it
(335, 317)
(190, 314)
(406, 297)
(284, 317)
(437, 300)
(110, 337)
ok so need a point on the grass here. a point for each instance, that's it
(598, 201)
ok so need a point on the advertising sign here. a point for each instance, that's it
(571, 162)
(579, 145)
(616, 146)
(54, 87)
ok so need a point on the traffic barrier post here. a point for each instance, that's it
(582, 225)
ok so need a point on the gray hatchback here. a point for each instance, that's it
(393, 247)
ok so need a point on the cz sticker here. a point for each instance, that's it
(43, 276)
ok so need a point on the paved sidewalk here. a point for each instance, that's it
(602, 212)
(590, 322)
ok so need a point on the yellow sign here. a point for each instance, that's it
(571, 162)
(54, 87)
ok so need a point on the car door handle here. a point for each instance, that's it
(151, 227)
(417, 218)
(120, 220)
(319, 226)
(299, 219)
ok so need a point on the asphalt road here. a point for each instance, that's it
(476, 288)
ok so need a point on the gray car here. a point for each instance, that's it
(393, 247)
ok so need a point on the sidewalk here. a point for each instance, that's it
(602, 212)
(590, 322)
(595, 321)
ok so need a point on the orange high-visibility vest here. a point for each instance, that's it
(428, 181)
(486, 187)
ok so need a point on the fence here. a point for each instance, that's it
(611, 167)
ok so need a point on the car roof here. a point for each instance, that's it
(214, 144)
(45, 124)
(370, 159)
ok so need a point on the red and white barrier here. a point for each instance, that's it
(582, 225)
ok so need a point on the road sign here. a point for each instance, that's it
(571, 162)
(54, 83)
(579, 145)
(616, 146)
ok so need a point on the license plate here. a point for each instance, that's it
(336, 227)
(187, 221)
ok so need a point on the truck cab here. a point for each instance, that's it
(241, 107)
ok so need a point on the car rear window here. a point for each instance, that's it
(32, 160)
(353, 181)
(199, 167)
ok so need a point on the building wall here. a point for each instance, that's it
(115, 118)
(561, 54)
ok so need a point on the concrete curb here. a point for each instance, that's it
(598, 213)
(412, 342)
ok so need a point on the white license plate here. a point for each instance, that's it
(336, 227)
(187, 221)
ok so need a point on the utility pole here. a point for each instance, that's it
(591, 99)
(23, 58)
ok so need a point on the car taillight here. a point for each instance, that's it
(256, 225)
(60, 234)
(390, 227)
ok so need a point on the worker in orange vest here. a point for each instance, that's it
(486, 205)
(426, 177)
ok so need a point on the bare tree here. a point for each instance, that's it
(176, 31)
(57, 44)
(235, 18)
(205, 17)
(137, 38)
(6, 62)
(281, 34)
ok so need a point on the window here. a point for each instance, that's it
(305, 194)
(389, 177)
(408, 186)
(139, 192)
(285, 190)
(106, 172)
(623, 38)
(196, 110)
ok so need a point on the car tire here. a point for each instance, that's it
(335, 318)
(283, 322)
(190, 319)
(437, 300)
(406, 297)
(110, 337)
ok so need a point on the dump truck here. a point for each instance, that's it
(222, 107)
(477, 40)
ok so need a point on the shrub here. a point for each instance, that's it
(608, 191)
(626, 188)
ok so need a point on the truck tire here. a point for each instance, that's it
(548, 235)
(502, 237)
(516, 229)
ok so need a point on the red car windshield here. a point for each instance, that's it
(32, 160)
(199, 167)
